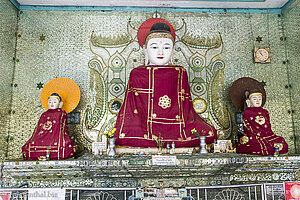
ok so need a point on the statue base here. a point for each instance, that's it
(130, 171)
(153, 151)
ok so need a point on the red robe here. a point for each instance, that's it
(51, 134)
(158, 104)
(258, 137)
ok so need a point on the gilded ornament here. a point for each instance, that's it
(199, 105)
(244, 139)
(115, 105)
(122, 135)
(164, 102)
(119, 40)
(47, 125)
(95, 110)
(198, 41)
(260, 120)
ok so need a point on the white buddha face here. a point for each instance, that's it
(54, 102)
(256, 100)
(159, 51)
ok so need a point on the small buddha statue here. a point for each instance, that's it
(50, 139)
(258, 137)
(158, 106)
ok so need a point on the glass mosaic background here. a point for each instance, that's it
(98, 50)
(291, 26)
(8, 28)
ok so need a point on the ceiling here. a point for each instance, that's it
(208, 4)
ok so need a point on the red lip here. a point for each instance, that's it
(160, 57)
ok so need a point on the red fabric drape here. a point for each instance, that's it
(158, 104)
(51, 134)
(260, 138)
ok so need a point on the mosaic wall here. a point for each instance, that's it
(291, 22)
(8, 21)
(215, 48)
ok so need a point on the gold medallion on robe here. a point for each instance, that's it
(244, 139)
(260, 120)
(164, 102)
(47, 125)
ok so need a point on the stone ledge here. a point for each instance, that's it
(130, 171)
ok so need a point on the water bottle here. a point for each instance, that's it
(172, 148)
(168, 148)
(48, 154)
(276, 152)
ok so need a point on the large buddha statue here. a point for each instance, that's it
(50, 139)
(158, 103)
(258, 137)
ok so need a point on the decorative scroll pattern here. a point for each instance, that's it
(101, 196)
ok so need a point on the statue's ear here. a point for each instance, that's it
(146, 55)
(60, 104)
(247, 94)
(248, 103)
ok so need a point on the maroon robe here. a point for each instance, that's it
(158, 104)
(258, 137)
(51, 134)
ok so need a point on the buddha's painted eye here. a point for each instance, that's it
(154, 46)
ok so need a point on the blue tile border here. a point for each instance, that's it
(154, 9)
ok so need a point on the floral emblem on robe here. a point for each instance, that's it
(244, 139)
(260, 120)
(47, 125)
(164, 102)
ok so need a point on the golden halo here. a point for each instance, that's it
(67, 89)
